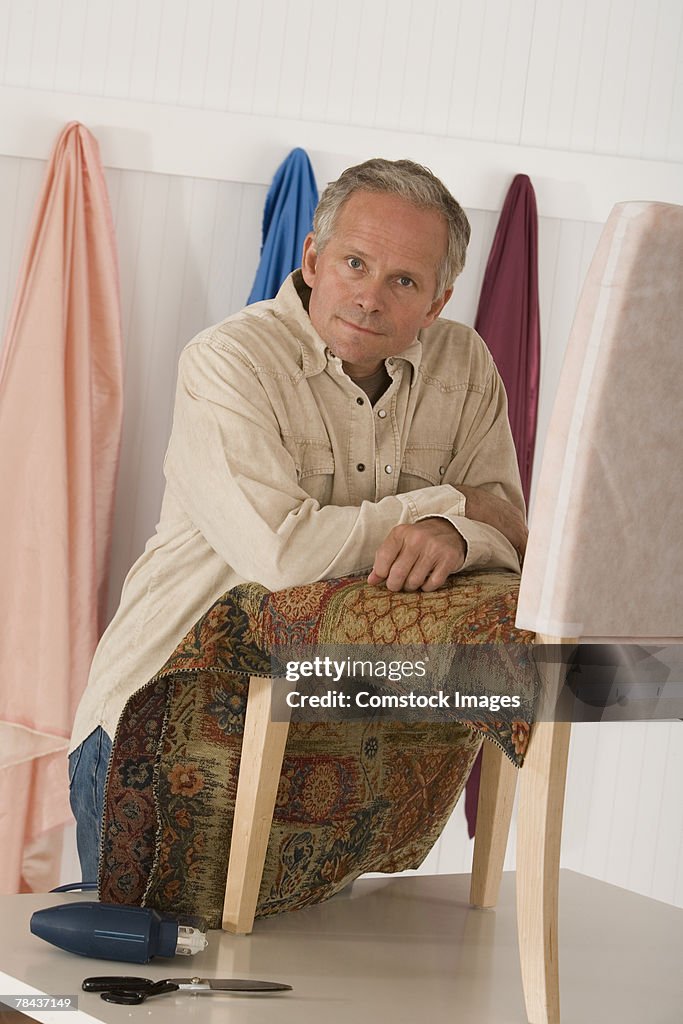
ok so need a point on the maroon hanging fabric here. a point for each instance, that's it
(507, 317)
(508, 321)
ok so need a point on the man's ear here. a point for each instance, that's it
(309, 259)
(436, 307)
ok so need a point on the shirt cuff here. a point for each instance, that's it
(486, 547)
(443, 502)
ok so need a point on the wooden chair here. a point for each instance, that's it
(598, 567)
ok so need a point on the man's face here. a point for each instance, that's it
(374, 284)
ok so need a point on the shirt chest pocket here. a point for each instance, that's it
(314, 462)
(423, 465)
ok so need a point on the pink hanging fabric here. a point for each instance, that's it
(508, 321)
(60, 426)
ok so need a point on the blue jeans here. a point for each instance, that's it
(87, 774)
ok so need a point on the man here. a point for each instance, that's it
(340, 427)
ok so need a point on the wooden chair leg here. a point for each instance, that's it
(494, 810)
(263, 749)
(539, 832)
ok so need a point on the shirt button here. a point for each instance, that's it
(360, 467)
(359, 401)
(382, 413)
(388, 469)
(442, 470)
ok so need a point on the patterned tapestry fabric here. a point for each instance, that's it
(354, 796)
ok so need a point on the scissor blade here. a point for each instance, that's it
(229, 985)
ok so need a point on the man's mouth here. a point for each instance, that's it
(358, 327)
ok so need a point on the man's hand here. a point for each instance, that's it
(485, 507)
(418, 556)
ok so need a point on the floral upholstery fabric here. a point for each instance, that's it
(354, 796)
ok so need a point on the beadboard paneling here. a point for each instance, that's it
(596, 77)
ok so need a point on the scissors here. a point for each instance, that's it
(131, 991)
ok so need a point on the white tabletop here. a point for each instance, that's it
(394, 950)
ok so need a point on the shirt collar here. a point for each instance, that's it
(291, 307)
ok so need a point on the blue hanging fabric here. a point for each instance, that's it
(287, 219)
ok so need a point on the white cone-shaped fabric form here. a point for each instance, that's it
(605, 554)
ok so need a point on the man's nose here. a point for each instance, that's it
(369, 295)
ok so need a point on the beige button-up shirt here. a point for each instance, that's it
(279, 470)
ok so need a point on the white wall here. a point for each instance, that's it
(584, 75)
(195, 103)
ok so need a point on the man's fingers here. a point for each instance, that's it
(436, 579)
(409, 571)
(421, 555)
(385, 557)
(401, 562)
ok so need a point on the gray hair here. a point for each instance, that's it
(412, 182)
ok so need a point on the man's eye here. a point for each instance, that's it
(405, 282)
(354, 263)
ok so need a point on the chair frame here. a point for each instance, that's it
(539, 832)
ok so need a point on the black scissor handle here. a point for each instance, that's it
(128, 990)
(110, 983)
(134, 996)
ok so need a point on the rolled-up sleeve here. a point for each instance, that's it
(486, 458)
